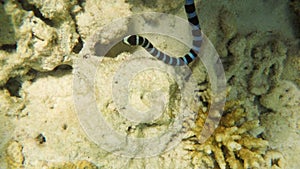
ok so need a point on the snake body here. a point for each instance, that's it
(137, 40)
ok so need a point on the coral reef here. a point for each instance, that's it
(228, 31)
(262, 71)
(157, 6)
(267, 74)
(284, 97)
(292, 66)
(261, 57)
(261, 130)
(83, 164)
(41, 43)
(14, 155)
(231, 145)
(281, 121)
(11, 106)
(253, 66)
(89, 22)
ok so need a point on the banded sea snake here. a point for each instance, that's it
(136, 40)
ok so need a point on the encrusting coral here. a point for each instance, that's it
(43, 42)
(11, 106)
(40, 43)
(231, 145)
(14, 155)
(282, 98)
(264, 64)
(281, 119)
(89, 22)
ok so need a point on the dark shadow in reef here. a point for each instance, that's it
(30, 7)
(14, 84)
(119, 48)
(58, 71)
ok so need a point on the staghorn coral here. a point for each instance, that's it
(89, 20)
(82, 164)
(231, 145)
(63, 165)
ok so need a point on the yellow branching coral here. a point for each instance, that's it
(82, 164)
(231, 145)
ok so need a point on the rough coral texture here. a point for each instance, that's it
(89, 22)
(291, 68)
(264, 61)
(11, 106)
(262, 71)
(282, 122)
(231, 145)
(284, 97)
(261, 63)
(41, 43)
(156, 6)
(84, 164)
(14, 155)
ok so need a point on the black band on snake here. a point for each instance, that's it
(136, 40)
